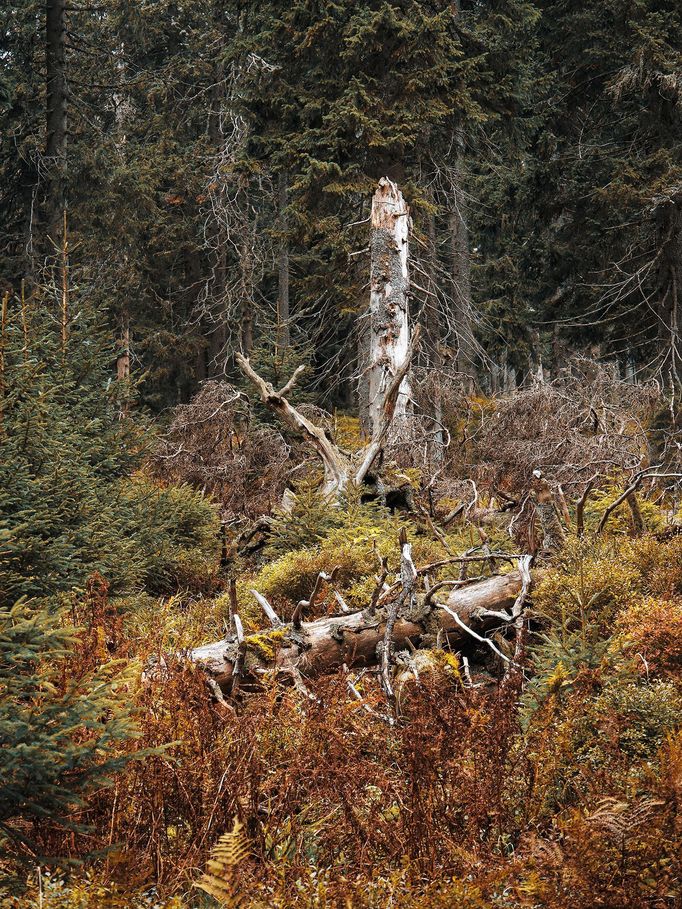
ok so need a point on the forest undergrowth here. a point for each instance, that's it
(131, 783)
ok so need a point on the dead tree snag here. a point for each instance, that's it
(389, 332)
(392, 350)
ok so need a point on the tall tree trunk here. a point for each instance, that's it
(394, 349)
(389, 332)
(211, 362)
(246, 273)
(670, 284)
(461, 280)
(433, 331)
(283, 333)
(217, 335)
(123, 361)
(56, 120)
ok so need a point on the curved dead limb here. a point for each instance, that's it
(310, 603)
(475, 634)
(336, 466)
(338, 469)
(630, 491)
(580, 506)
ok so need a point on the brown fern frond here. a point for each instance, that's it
(620, 819)
(220, 879)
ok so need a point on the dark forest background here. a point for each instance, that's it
(213, 164)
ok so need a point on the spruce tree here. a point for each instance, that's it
(347, 93)
(605, 228)
(61, 736)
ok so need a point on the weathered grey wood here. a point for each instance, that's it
(391, 352)
(326, 644)
(389, 331)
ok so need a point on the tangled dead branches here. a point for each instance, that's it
(587, 424)
(212, 444)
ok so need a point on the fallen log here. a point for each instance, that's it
(356, 639)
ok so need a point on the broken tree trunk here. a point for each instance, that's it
(339, 469)
(388, 329)
(355, 639)
(391, 352)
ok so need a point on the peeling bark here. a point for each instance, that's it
(389, 332)
(394, 350)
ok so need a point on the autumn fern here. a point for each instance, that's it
(220, 879)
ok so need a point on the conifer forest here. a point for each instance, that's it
(340, 454)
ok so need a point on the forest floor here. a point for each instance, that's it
(538, 766)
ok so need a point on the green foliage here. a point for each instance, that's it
(605, 691)
(67, 506)
(307, 523)
(639, 716)
(604, 177)
(173, 533)
(52, 891)
(579, 599)
(619, 520)
(61, 730)
(589, 584)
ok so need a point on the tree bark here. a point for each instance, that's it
(389, 331)
(460, 265)
(322, 646)
(434, 338)
(339, 470)
(461, 288)
(669, 214)
(395, 348)
(56, 119)
(283, 333)
(553, 537)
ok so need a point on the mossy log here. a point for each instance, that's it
(355, 638)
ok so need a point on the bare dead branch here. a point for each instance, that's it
(272, 616)
(336, 467)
